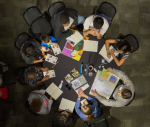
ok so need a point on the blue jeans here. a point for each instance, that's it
(81, 19)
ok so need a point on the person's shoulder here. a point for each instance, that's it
(90, 17)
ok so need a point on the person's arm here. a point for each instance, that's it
(38, 91)
(44, 69)
(103, 100)
(93, 101)
(46, 77)
(37, 61)
(78, 110)
(50, 102)
(109, 102)
(87, 32)
(118, 62)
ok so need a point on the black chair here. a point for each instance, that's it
(55, 7)
(37, 23)
(31, 14)
(107, 9)
(20, 76)
(134, 42)
(21, 39)
(41, 26)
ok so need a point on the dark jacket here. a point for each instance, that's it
(58, 28)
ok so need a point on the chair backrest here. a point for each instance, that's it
(31, 14)
(107, 9)
(41, 26)
(134, 42)
(55, 7)
(21, 39)
(20, 76)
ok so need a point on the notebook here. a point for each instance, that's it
(76, 37)
(54, 91)
(51, 73)
(67, 105)
(90, 45)
(103, 53)
(104, 83)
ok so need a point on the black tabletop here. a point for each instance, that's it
(66, 64)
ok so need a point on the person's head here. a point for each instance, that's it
(125, 94)
(36, 104)
(45, 38)
(64, 19)
(87, 110)
(64, 117)
(31, 75)
(98, 23)
(123, 46)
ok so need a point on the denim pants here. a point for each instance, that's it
(81, 19)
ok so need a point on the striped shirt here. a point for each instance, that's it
(124, 56)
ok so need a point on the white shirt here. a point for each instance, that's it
(88, 24)
(71, 21)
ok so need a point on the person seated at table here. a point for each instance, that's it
(65, 20)
(39, 102)
(122, 95)
(122, 46)
(63, 118)
(47, 41)
(96, 25)
(32, 52)
(87, 112)
(34, 75)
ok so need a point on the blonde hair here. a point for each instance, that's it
(87, 110)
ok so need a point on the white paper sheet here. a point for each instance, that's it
(54, 91)
(51, 73)
(76, 37)
(103, 53)
(67, 105)
(90, 45)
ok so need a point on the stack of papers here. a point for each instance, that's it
(90, 46)
(67, 105)
(75, 38)
(54, 91)
(103, 53)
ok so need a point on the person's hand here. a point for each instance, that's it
(46, 77)
(99, 37)
(92, 32)
(73, 27)
(109, 69)
(45, 69)
(43, 49)
(80, 91)
(79, 94)
(55, 44)
(94, 92)
(40, 60)
(112, 51)
(108, 55)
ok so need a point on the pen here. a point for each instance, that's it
(72, 29)
(55, 64)
(81, 66)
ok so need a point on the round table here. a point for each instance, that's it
(66, 64)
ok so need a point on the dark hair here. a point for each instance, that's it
(126, 94)
(98, 23)
(87, 110)
(123, 45)
(64, 17)
(36, 105)
(44, 38)
(31, 51)
(63, 118)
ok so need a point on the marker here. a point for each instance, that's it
(81, 65)
(55, 64)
